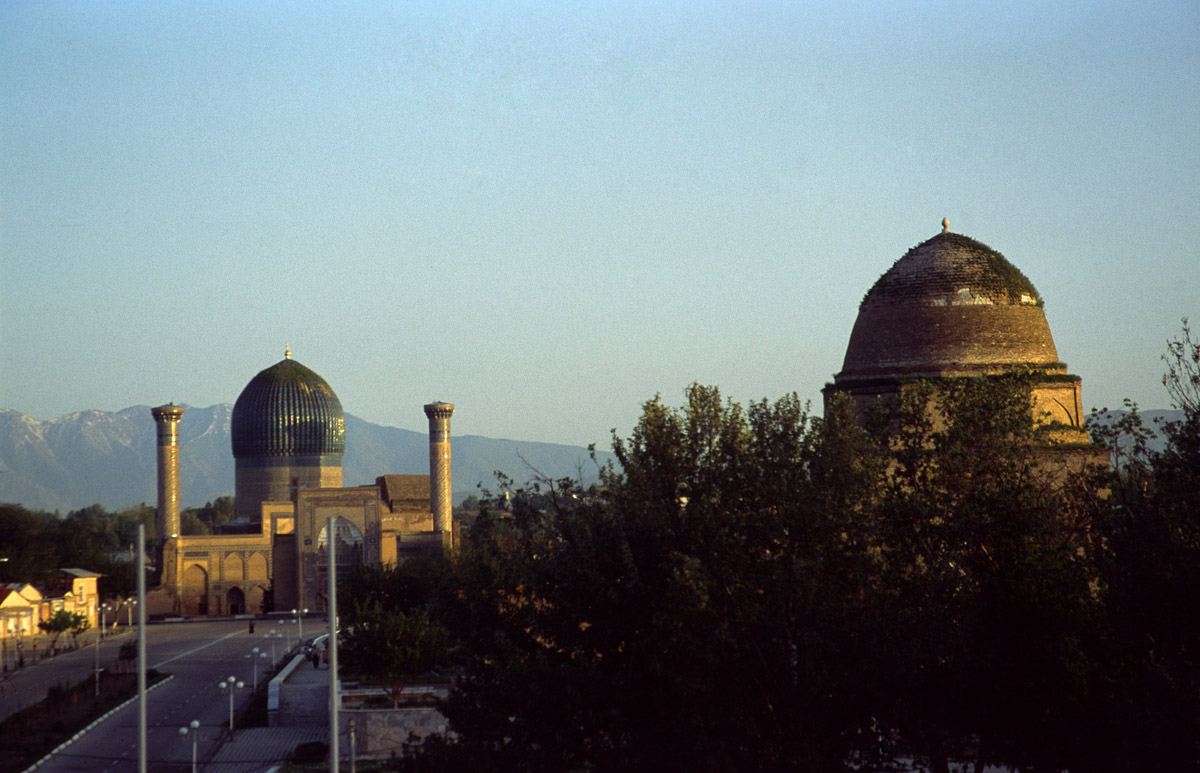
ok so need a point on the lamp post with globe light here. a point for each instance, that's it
(20, 647)
(192, 728)
(231, 686)
(102, 609)
(299, 613)
(272, 636)
(255, 655)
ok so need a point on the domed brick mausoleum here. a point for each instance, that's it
(953, 307)
(288, 436)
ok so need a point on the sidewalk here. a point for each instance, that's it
(304, 697)
(35, 648)
(261, 748)
(303, 717)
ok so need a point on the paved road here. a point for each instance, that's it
(26, 686)
(199, 655)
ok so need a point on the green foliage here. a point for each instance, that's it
(670, 619)
(392, 646)
(38, 543)
(209, 518)
(1182, 378)
(388, 635)
(985, 602)
(62, 622)
(1150, 572)
(757, 589)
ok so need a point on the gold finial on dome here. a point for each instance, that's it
(945, 225)
(287, 352)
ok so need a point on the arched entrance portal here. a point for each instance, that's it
(348, 544)
(254, 601)
(235, 601)
(193, 595)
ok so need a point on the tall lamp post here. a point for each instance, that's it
(20, 646)
(299, 613)
(272, 636)
(231, 686)
(256, 655)
(103, 608)
(193, 728)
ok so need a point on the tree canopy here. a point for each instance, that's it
(934, 584)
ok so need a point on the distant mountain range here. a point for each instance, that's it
(97, 457)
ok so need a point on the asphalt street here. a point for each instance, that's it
(199, 655)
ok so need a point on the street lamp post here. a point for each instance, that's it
(299, 613)
(256, 655)
(193, 728)
(231, 686)
(103, 608)
(129, 605)
(272, 636)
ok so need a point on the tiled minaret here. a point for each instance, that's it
(439, 466)
(166, 418)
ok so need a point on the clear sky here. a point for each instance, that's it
(548, 212)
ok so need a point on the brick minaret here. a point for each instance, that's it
(439, 464)
(167, 418)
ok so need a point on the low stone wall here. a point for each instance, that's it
(379, 732)
(275, 684)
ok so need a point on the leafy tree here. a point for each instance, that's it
(191, 523)
(1150, 574)
(388, 633)
(28, 540)
(672, 618)
(62, 622)
(37, 543)
(209, 518)
(985, 607)
(757, 589)
(392, 646)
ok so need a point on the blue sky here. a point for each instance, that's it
(549, 212)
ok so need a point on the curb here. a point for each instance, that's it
(95, 722)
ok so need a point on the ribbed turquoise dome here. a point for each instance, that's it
(288, 410)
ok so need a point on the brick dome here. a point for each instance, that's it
(950, 306)
(288, 410)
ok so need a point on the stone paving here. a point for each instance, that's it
(303, 717)
(261, 748)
